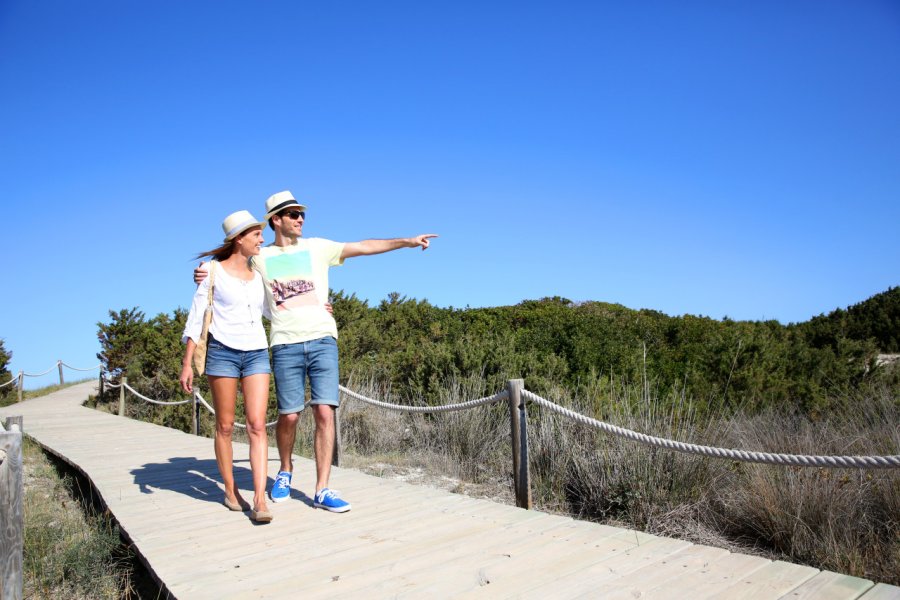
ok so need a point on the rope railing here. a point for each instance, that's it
(864, 462)
(151, 400)
(517, 398)
(39, 374)
(503, 395)
(59, 365)
(95, 367)
(795, 460)
(200, 399)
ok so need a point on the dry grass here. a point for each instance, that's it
(845, 520)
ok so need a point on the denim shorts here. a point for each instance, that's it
(292, 363)
(222, 361)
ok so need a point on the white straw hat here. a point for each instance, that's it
(279, 201)
(238, 222)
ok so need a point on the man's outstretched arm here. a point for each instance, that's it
(368, 247)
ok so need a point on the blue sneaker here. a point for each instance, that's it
(281, 489)
(330, 500)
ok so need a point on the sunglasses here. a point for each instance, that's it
(295, 214)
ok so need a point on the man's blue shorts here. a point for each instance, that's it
(224, 361)
(292, 363)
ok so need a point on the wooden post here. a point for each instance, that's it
(519, 433)
(100, 386)
(12, 533)
(20, 384)
(122, 384)
(336, 454)
(59, 365)
(196, 416)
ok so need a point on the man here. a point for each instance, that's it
(304, 334)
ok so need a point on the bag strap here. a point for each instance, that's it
(212, 282)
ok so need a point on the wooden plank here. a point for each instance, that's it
(694, 560)
(882, 591)
(721, 575)
(451, 569)
(774, 580)
(322, 563)
(380, 576)
(570, 581)
(371, 544)
(502, 572)
(830, 586)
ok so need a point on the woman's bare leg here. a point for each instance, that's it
(224, 392)
(256, 400)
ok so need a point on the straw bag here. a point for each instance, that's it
(200, 350)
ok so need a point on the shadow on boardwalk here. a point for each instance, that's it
(197, 478)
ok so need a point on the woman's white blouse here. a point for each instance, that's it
(238, 308)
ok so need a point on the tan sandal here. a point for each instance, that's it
(236, 506)
(261, 516)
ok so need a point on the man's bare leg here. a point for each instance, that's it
(324, 443)
(285, 434)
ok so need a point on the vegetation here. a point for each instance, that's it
(587, 348)
(7, 391)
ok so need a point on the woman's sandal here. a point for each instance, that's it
(261, 516)
(236, 506)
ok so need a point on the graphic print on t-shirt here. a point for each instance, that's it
(290, 278)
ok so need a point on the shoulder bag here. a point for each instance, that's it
(199, 358)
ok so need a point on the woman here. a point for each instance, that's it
(236, 350)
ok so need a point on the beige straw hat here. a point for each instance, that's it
(238, 222)
(280, 201)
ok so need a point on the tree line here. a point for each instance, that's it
(415, 348)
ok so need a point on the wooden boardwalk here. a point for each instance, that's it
(399, 540)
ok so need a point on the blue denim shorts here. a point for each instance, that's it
(222, 361)
(292, 363)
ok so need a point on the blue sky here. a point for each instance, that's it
(714, 158)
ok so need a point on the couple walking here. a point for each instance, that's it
(287, 282)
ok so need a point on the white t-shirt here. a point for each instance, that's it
(296, 284)
(238, 308)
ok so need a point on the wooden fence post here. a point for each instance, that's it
(122, 385)
(100, 386)
(20, 384)
(59, 365)
(336, 454)
(519, 433)
(12, 534)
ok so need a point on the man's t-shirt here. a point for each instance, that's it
(296, 282)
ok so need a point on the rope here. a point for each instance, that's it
(152, 401)
(40, 374)
(503, 395)
(76, 369)
(200, 399)
(110, 384)
(13, 380)
(797, 460)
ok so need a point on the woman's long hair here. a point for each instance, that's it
(221, 253)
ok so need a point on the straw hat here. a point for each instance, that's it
(280, 201)
(238, 222)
